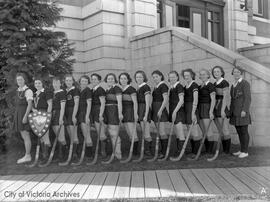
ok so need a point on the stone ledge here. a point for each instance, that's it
(262, 46)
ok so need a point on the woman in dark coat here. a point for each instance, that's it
(240, 106)
(23, 105)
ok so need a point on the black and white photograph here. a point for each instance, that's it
(135, 100)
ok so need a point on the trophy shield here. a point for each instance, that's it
(40, 122)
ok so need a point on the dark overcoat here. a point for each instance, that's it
(240, 101)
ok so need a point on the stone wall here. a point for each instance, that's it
(177, 49)
(258, 53)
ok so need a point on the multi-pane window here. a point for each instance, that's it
(213, 26)
(183, 16)
(258, 7)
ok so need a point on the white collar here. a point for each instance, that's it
(111, 86)
(189, 84)
(60, 90)
(96, 87)
(238, 81)
(73, 87)
(159, 84)
(174, 85)
(41, 91)
(23, 88)
(220, 80)
(206, 83)
(126, 87)
(141, 85)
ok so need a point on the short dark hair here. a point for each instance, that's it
(174, 72)
(221, 69)
(84, 77)
(127, 75)
(158, 73)
(111, 74)
(189, 70)
(57, 78)
(142, 73)
(23, 75)
(239, 69)
(70, 76)
(96, 75)
(39, 79)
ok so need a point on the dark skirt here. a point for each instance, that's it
(155, 108)
(68, 116)
(180, 116)
(111, 115)
(203, 110)
(217, 109)
(141, 112)
(18, 117)
(55, 117)
(95, 110)
(81, 116)
(240, 121)
(128, 114)
(188, 113)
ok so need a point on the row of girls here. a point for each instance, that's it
(188, 105)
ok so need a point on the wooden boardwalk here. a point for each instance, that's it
(136, 184)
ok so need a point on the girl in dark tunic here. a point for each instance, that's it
(143, 97)
(207, 101)
(240, 106)
(43, 102)
(130, 108)
(159, 111)
(113, 111)
(221, 111)
(58, 111)
(97, 110)
(176, 108)
(72, 105)
(23, 105)
(85, 105)
(190, 106)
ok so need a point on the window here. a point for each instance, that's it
(258, 7)
(183, 16)
(213, 26)
(159, 14)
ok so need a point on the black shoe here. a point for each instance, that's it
(135, 148)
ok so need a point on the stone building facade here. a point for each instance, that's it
(126, 35)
